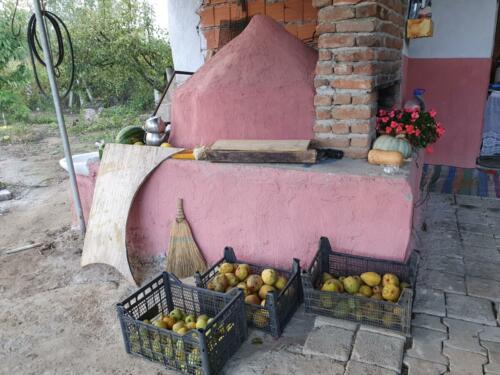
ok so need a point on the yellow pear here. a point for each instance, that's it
(390, 279)
(371, 278)
(391, 292)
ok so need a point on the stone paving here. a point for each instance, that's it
(455, 326)
(455, 319)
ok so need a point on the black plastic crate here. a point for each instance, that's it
(198, 352)
(395, 316)
(279, 307)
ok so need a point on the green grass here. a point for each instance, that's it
(105, 127)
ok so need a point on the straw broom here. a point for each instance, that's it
(184, 257)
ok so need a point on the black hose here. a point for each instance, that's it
(34, 47)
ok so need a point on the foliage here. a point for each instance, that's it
(120, 57)
(14, 75)
(419, 127)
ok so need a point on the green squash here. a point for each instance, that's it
(389, 143)
(130, 135)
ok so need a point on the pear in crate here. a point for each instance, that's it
(391, 292)
(242, 271)
(371, 278)
(280, 283)
(351, 284)
(226, 268)
(269, 276)
(390, 279)
(264, 290)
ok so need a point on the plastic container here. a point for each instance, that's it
(279, 307)
(198, 352)
(388, 315)
(416, 103)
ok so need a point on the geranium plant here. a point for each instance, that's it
(420, 128)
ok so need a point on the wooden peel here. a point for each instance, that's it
(122, 172)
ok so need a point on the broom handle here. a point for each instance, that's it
(180, 211)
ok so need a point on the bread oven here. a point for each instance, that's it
(357, 67)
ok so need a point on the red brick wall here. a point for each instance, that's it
(359, 43)
(222, 20)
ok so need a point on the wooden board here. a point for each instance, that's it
(122, 171)
(300, 157)
(261, 145)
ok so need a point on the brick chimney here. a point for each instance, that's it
(359, 69)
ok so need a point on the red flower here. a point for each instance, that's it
(410, 129)
(429, 149)
(415, 115)
(392, 114)
(400, 116)
(385, 120)
(388, 130)
(440, 131)
(417, 132)
(432, 113)
(394, 124)
(382, 112)
(399, 130)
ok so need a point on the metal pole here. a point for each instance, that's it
(60, 118)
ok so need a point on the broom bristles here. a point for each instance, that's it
(184, 257)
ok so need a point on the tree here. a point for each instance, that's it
(14, 75)
(120, 57)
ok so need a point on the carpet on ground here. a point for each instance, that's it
(453, 180)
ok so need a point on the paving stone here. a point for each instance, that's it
(477, 228)
(359, 368)
(442, 226)
(464, 335)
(280, 362)
(441, 281)
(471, 200)
(321, 321)
(493, 348)
(483, 270)
(471, 309)
(481, 254)
(490, 334)
(331, 342)
(479, 240)
(379, 350)
(465, 363)
(428, 301)
(382, 331)
(443, 263)
(483, 288)
(421, 367)
(427, 345)
(429, 322)
(5, 195)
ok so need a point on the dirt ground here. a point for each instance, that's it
(55, 317)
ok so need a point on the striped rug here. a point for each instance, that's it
(452, 180)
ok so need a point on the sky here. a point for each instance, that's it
(160, 7)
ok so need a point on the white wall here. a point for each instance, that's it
(462, 29)
(186, 41)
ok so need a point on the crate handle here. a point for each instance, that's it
(174, 278)
(229, 255)
(296, 265)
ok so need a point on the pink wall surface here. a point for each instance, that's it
(258, 86)
(457, 89)
(270, 215)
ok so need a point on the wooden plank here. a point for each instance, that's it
(122, 171)
(261, 145)
(300, 157)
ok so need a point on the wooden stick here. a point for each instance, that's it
(23, 248)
